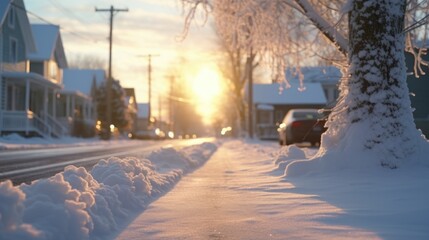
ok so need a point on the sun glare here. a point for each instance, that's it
(207, 87)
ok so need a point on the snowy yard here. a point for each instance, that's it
(241, 192)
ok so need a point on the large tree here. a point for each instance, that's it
(373, 112)
(120, 117)
(236, 68)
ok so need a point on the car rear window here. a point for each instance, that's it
(306, 115)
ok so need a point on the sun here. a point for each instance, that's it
(206, 84)
(207, 87)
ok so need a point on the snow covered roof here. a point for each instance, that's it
(23, 21)
(270, 94)
(315, 74)
(265, 107)
(4, 8)
(82, 79)
(48, 43)
(143, 110)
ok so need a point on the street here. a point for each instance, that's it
(31, 164)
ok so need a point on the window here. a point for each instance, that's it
(15, 100)
(11, 17)
(264, 116)
(13, 50)
(53, 67)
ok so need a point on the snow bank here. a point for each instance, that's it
(347, 156)
(358, 194)
(82, 204)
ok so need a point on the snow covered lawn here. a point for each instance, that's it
(379, 203)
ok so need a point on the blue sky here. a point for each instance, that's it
(149, 27)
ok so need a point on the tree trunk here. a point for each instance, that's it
(374, 110)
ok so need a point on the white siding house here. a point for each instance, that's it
(76, 101)
(27, 98)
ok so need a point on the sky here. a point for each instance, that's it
(149, 27)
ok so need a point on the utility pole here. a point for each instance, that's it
(149, 79)
(170, 104)
(159, 111)
(250, 91)
(112, 10)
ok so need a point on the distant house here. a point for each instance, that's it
(328, 76)
(270, 105)
(28, 84)
(76, 106)
(142, 116)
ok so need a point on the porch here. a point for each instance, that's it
(28, 105)
(76, 112)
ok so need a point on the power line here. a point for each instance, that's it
(50, 23)
(63, 9)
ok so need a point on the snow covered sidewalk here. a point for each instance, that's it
(241, 194)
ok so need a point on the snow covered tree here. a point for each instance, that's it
(373, 114)
(119, 116)
(235, 69)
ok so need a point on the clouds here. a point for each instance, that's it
(149, 27)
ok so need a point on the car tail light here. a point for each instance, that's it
(296, 124)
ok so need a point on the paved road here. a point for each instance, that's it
(31, 164)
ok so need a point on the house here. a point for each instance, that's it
(76, 106)
(142, 116)
(419, 87)
(271, 105)
(28, 84)
(328, 76)
(49, 61)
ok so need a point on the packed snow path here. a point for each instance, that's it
(237, 195)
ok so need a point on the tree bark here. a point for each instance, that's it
(374, 108)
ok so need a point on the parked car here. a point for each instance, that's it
(301, 125)
(155, 134)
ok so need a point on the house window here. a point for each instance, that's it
(15, 98)
(13, 50)
(264, 116)
(11, 18)
(53, 70)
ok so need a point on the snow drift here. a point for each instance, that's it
(82, 204)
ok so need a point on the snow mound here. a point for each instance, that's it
(167, 159)
(288, 153)
(351, 155)
(199, 156)
(82, 204)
